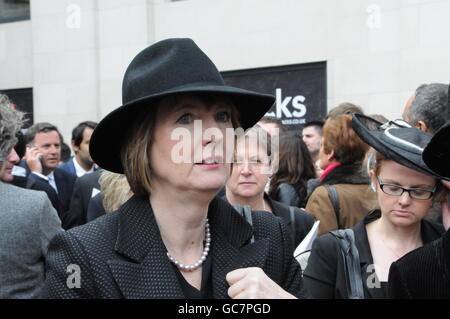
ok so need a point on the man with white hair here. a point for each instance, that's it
(29, 221)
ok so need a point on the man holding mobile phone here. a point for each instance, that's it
(42, 158)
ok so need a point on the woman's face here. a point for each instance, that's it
(250, 172)
(188, 148)
(402, 210)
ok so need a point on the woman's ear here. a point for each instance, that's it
(330, 156)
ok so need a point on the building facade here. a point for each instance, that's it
(70, 55)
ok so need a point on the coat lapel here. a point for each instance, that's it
(230, 249)
(368, 275)
(153, 278)
(148, 273)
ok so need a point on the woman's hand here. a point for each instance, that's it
(446, 206)
(253, 283)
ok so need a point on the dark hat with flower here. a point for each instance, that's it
(396, 140)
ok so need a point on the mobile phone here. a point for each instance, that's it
(32, 147)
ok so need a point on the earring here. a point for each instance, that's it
(372, 185)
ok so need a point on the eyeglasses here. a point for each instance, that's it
(415, 193)
(254, 164)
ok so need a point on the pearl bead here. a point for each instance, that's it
(202, 259)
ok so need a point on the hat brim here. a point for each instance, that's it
(437, 153)
(375, 138)
(108, 137)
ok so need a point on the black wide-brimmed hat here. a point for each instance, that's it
(396, 140)
(168, 67)
(437, 153)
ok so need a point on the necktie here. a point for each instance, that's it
(52, 182)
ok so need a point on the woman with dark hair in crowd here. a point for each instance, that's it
(174, 238)
(355, 263)
(295, 168)
(249, 174)
(343, 196)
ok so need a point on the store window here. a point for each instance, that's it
(14, 10)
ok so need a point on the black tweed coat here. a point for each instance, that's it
(121, 255)
(424, 273)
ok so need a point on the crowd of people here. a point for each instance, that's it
(123, 219)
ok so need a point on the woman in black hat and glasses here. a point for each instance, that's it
(425, 272)
(340, 267)
(174, 238)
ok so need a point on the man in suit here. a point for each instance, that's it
(82, 162)
(86, 187)
(42, 158)
(28, 220)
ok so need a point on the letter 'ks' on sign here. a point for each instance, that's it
(296, 103)
(74, 279)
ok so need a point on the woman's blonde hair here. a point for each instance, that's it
(115, 190)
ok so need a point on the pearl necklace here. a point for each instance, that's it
(202, 259)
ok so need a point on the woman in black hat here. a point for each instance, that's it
(355, 263)
(174, 238)
(425, 272)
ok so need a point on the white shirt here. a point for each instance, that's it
(50, 178)
(19, 171)
(80, 170)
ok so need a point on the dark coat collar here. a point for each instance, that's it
(346, 174)
(429, 231)
(279, 209)
(446, 253)
(149, 269)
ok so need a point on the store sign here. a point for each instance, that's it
(300, 90)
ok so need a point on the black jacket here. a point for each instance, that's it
(324, 276)
(39, 185)
(423, 273)
(65, 183)
(303, 221)
(290, 195)
(122, 255)
(82, 194)
(95, 208)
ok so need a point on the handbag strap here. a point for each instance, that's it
(246, 212)
(292, 215)
(350, 254)
(334, 198)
